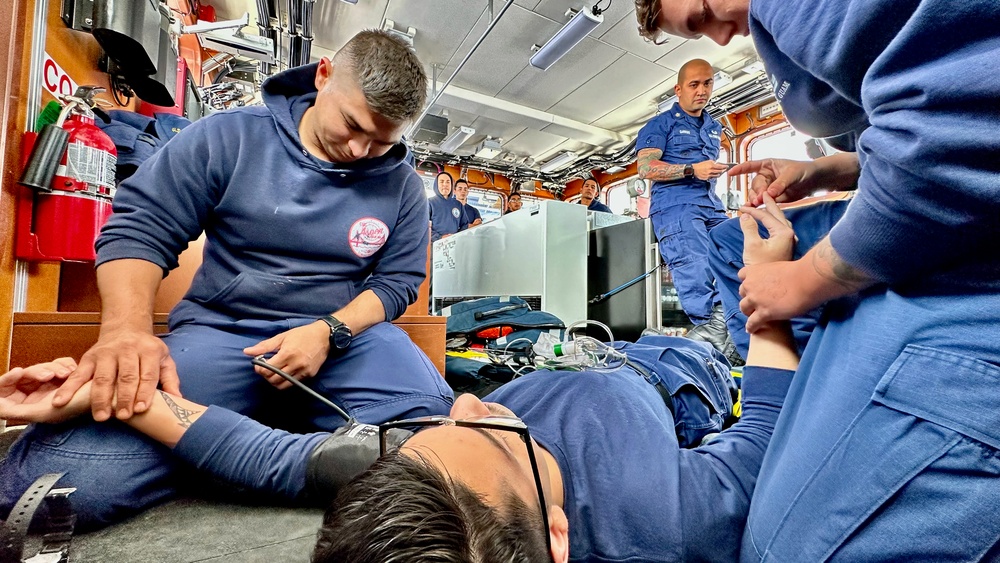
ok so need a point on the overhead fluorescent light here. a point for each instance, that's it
(488, 149)
(665, 105)
(756, 67)
(614, 169)
(722, 79)
(252, 46)
(349, 1)
(456, 139)
(558, 162)
(566, 38)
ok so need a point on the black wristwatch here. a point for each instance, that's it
(340, 334)
(689, 171)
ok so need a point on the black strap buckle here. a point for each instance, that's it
(57, 529)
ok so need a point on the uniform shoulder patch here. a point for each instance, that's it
(367, 236)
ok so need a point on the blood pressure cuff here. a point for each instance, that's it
(343, 456)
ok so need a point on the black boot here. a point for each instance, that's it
(716, 333)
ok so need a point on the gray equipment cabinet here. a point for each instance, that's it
(538, 253)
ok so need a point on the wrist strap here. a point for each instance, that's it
(58, 527)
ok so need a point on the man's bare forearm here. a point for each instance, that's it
(773, 346)
(650, 167)
(167, 419)
(363, 312)
(831, 267)
(128, 289)
(838, 171)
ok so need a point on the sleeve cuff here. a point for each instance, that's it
(204, 436)
(766, 385)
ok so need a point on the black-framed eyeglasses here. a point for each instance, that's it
(501, 423)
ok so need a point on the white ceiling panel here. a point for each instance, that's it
(705, 48)
(542, 89)
(533, 143)
(434, 45)
(593, 99)
(496, 62)
(624, 35)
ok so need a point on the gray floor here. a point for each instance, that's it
(189, 530)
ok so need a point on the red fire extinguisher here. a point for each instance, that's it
(71, 176)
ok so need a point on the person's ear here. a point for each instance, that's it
(559, 534)
(324, 71)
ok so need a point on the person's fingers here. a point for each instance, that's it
(103, 391)
(8, 381)
(67, 365)
(169, 380)
(773, 224)
(149, 376)
(774, 209)
(749, 226)
(755, 320)
(749, 167)
(128, 385)
(82, 374)
(264, 346)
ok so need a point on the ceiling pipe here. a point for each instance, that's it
(596, 136)
(434, 99)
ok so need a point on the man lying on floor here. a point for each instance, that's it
(606, 479)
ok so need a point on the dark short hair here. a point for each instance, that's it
(402, 509)
(390, 74)
(647, 13)
(462, 181)
(515, 194)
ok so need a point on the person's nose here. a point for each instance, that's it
(359, 147)
(468, 406)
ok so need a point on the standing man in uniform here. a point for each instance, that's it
(472, 216)
(316, 238)
(888, 447)
(588, 196)
(677, 151)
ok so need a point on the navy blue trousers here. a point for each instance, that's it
(682, 232)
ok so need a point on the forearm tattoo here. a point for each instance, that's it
(831, 266)
(183, 415)
(651, 168)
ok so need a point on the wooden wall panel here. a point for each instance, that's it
(15, 21)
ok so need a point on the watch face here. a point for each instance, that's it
(341, 337)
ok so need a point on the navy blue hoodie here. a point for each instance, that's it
(288, 235)
(447, 214)
(918, 83)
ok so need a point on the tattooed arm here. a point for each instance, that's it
(167, 418)
(650, 167)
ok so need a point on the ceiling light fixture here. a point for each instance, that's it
(566, 38)
(722, 79)
(456, 139)
(488, 149)
(558, 162)
(666, 104)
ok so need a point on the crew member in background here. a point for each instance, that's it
(891, 425)
(589, 193)
(677, 150)
(309, 208)
(447, 213)
(472, 216)
(513, 202)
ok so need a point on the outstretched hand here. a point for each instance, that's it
(783, 180)
(27, 393)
